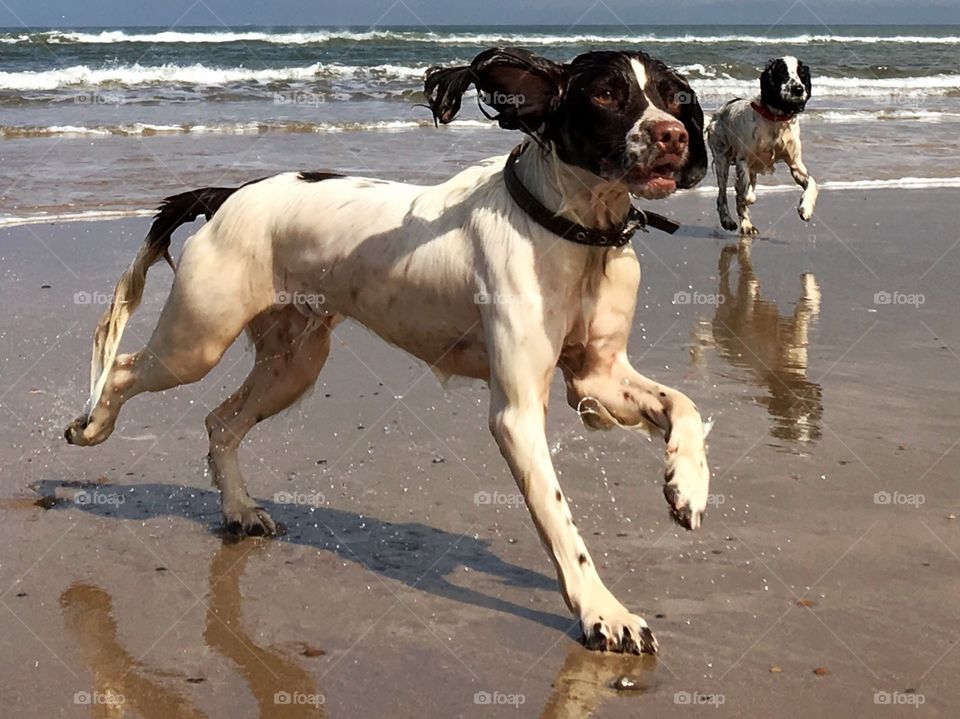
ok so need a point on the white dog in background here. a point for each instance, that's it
(754, 135)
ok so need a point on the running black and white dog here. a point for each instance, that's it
(754, 135)
(544, 231)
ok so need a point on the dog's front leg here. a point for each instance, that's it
(722, 169)
(744, 200)
(608, 391)
(519, 390)
(810, 189)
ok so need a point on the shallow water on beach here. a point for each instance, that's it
(120, 117)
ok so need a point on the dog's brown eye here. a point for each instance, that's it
(605, 97)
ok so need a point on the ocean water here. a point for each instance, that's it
(117, 117)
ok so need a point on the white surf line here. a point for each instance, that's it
(85, 216)
(896, 183)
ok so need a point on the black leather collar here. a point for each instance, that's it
(636, 219)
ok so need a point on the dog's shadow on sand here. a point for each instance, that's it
(419, 556)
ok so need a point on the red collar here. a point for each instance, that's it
(765, 112)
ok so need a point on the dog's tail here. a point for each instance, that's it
(174, 211)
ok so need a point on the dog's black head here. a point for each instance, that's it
(785, 85)
(623, 116)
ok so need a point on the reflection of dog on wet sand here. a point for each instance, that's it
(278, 683)
(583, 683)
(586, 679)
(751, 334)
(120, 682)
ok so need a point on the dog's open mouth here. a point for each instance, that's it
(656, 180)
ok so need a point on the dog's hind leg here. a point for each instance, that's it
(213, 297)
(722, 168)
(290, 352)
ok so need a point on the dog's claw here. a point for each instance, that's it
(251, 522)
(597, 640)
(617, 630)
(74, 431)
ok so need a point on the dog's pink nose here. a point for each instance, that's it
(671, 136)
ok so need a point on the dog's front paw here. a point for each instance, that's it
(687, 478)
(609, 627)
(747, 229)
(805, 211)
(728, 223)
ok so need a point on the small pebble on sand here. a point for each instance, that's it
(625, 683)
(821, 671)
(775, 670)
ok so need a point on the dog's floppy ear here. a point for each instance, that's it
(769, 91)
(522, 88)
(691, 115)
(804, 72)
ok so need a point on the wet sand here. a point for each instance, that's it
(402, 592)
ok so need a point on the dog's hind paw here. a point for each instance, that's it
(805, 212)
(250, 522)
(617, 630)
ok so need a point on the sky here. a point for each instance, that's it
(231, 13)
